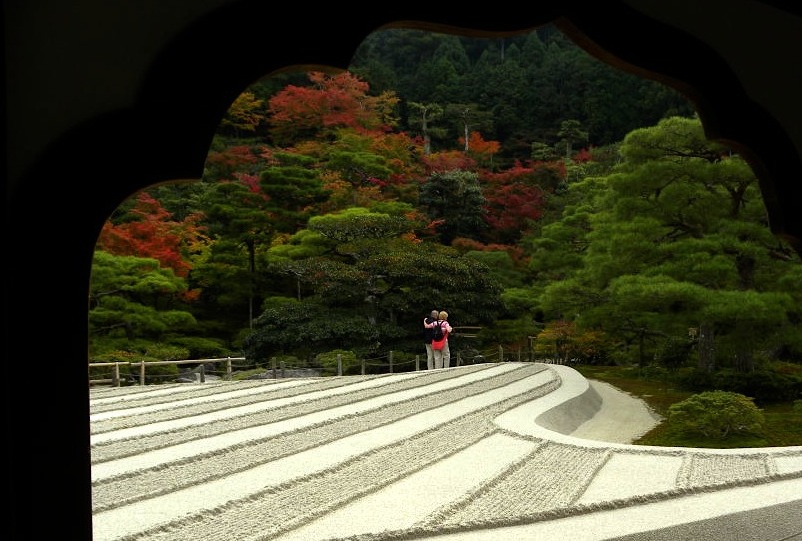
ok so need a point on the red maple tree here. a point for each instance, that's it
(151, 232)
(331, 102)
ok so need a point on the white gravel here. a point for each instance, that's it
(527, 449)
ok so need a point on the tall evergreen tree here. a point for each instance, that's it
(454, 201)
(134, 304)
(292, 186)
(679, 240)
(364, 282)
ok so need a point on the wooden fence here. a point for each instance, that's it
(279, 369)
(115, 378)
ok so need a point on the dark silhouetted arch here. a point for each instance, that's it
(58, 207)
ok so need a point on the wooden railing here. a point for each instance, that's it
(279, 369)
(115, 378)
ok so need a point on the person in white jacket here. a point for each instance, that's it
(428, 334)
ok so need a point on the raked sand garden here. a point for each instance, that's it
(488, 451)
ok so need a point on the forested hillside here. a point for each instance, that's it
(529, 190)
(516, 90)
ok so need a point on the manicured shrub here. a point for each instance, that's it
(716, 414)
(328, 362)
(203, 348)
(165, 352)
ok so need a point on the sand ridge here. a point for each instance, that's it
(456, 451)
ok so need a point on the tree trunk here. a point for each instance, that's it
(744, 361)
(641, 354)
(252, 276)
(707, 349)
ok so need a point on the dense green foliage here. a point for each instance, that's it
(716, 414)
(585, 222)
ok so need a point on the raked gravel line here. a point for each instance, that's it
(136, 480)
(147, 412)
(450, 451)
(222, 394)
(117, 399)
(277, 496)
(209, 423)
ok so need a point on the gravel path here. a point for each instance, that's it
(459, 451)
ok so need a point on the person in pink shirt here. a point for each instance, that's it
(442, 357)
